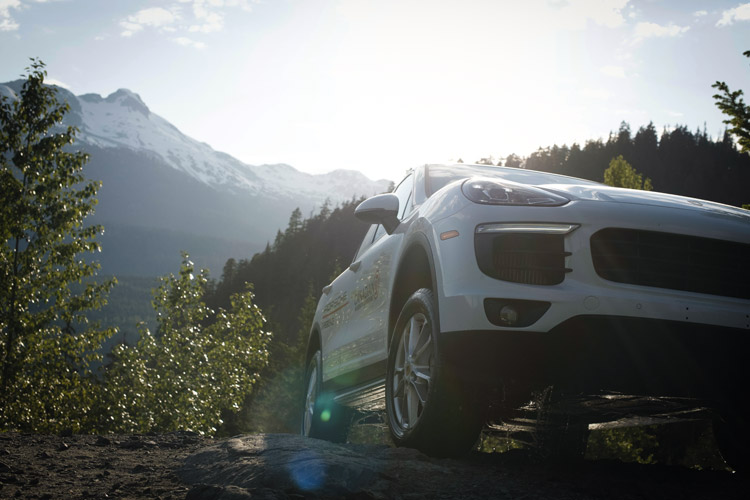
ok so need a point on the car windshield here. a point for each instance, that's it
(439, 176)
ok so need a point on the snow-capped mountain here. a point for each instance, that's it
(122, 120)
(163, 191)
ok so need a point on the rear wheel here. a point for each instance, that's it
(322, 417)
(428, 407)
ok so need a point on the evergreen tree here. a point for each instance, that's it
(513, 160)
(731, 104)
(295, 222)
(47, 348)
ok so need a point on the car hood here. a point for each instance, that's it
(652, 198)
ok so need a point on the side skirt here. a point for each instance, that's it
(363, 389)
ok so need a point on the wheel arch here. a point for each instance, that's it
(313, 343)
(416, 269)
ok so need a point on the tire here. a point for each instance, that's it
(322, 417)
(427, 406)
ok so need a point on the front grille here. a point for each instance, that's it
(673, 261)
(534, 259)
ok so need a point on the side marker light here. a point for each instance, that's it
(448, 235)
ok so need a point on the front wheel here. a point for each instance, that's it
(428, 406)
(322, 417)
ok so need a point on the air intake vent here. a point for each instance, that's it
(534, 259)
(673, 261)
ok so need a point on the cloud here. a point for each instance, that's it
(203, 16)
(574, 14)
(187, 42)
(154, 17)
(211, 22)
(652, 30)
(739, 13)
(7, 23)
(700, 13)
(614, 71)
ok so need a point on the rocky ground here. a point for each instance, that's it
(72, 467)
(282, 466)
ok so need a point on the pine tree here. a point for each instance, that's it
(731, 103)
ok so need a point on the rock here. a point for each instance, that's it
(102, 441)
(140, 469)
(296, 465)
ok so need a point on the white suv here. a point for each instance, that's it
(478, 286)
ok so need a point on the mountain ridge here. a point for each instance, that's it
(122, 119)
(163, 191)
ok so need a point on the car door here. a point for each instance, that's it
(357, 342)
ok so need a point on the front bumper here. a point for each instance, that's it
(463, 288)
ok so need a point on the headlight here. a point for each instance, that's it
(495, 192)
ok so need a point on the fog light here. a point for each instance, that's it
(514, 313)
(508, 315)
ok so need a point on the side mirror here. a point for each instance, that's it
(380, 209)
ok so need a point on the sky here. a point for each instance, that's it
(383, 86)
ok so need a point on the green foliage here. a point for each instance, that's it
(497, 443)
(731, 104)
(47, 347)
(621, 174)
(685, 443)
(195, 368)
(627, 444)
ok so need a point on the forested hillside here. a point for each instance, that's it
(679, 162)
(300, 261)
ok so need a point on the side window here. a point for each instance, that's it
(403, 192)
(379, 233)
(366, 241)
